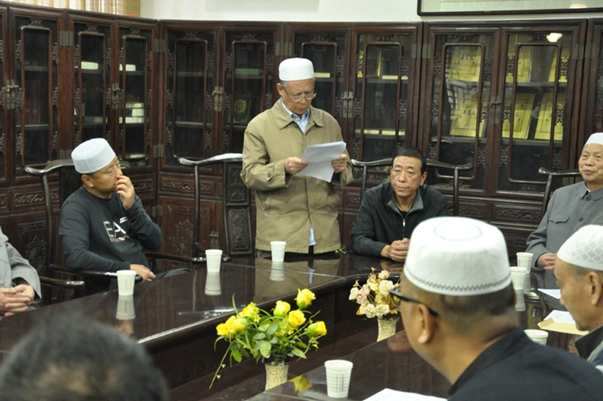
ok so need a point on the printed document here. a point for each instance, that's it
(388, 394)
(320, 158)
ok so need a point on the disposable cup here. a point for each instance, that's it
(212, 284)
(524, 259)
(125, 307)
(518, 276)
(278, 250)
(538, 336)
(214, 260)
(520, 305)
(277, 271)
(339, 372)
(125, 282)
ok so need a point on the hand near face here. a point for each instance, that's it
(125, 189)
(294, 165)
(340, 163)
(547, 260)
(16, 299)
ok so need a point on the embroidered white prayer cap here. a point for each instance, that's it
(457, 256)
(597, 137)
(295, 69)
(584, 248)
(92, 155)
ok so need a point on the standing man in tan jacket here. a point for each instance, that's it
(294, 208)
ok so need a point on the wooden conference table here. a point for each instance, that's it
(175, 319)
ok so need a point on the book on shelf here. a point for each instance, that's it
(248, 71)
(545, 117)
(524, 58)
(565, 56)
(522, 116)
(464, 118)
(322, 75)
(372, 60)
(465, 63)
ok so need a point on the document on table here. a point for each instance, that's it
(552, 293)
(560, 321)
(320, 158)
(388, 394)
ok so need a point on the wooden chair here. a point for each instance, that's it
(365, 166)
(236, 204)
(69, 181)
(571, 174)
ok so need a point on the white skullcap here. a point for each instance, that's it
(295, 69)
(597, 137)
(457, 256)
(584, 248)
(92, 155)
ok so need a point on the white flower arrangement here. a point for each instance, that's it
(373, 297)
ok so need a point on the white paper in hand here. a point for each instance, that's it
(320, 158)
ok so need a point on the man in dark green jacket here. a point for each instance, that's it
(390, 212)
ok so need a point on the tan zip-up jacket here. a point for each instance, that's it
(288, 204)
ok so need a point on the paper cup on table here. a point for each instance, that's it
(214, 260)
(339, 372)
(125, 282)
(520, 305)
(518, 276)
(125, 307)
(524, 259)
(212, 284)
(538, 336)
(277, 249)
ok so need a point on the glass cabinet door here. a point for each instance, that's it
(34, 90)
(460, 89)
(379, 107)
(592, 118)
(248, 82)
(132, 95)
(190, 103)
(327, 51)
(92, 67)
(6, 100)
(535, 106)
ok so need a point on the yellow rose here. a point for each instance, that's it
(282, 308)
(250, 311)
(229, 328)
(317, 329)
(296, 318)
(304, 298)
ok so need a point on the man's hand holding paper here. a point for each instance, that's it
(324, 160)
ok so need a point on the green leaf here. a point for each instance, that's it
(272, 329)
(236, 355)
(298, 353)
(259, 336)
(265, 349)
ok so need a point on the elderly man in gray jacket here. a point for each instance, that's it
(19, 281)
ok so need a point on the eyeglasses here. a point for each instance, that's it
(397, 297)
(298, 98)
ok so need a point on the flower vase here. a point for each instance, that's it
(276, 374)
(387, 328)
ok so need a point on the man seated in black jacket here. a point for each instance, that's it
(390, 212)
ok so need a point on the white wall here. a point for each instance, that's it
(310, 11)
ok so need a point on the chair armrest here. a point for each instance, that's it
(53, 268)
(70, 284)
(178, 258)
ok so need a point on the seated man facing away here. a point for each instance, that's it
(579, 274)
(457, 305)
(103, 224)
(78, 359)
(390, 212)
(19, 281)
(571, 206)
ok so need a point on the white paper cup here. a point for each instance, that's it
(524, 259)
(277, 271)
(212, 284)
(125, 282)
(278, 250)
(538, 336)
(214, 260)
(339, 372)
(518, 276)
(125, 308)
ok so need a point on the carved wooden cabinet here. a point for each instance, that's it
(503, 97)
(591, 112)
